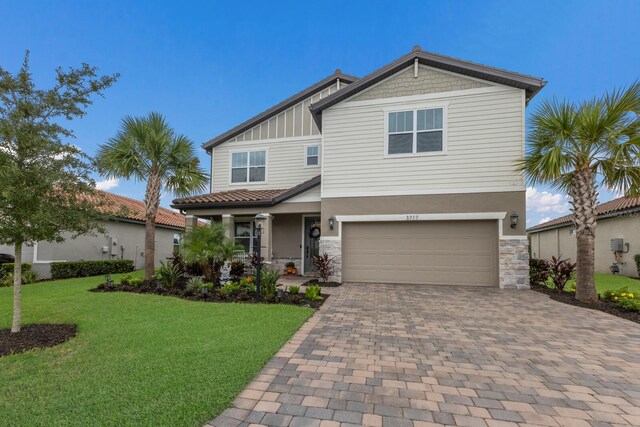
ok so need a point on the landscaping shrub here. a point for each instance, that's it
(194, 284)
(325, 266)
(169, 274)
(69, 269)
(624, 298)
(8, 268)
(229, 289)
(248, 285)
(636, 258)
(27, 277)
(236, 271)
(136, 282)
(268, 282)
(560, 272)
(313, 293)
(538, 272)
(294, 290)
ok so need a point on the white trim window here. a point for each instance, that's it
(312, 155)
(419, 131)
(248, 166)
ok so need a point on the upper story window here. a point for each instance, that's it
(312, 155)
(249, 166)
(415, 131)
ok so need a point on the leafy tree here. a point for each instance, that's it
(207, 246)
(46, 186)
(148, 150)
(572, 147)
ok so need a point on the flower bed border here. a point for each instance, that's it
(289, 299)
(602, 304)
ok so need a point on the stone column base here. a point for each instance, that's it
(333, 248)
(513, 263)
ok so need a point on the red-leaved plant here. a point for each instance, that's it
(325, 266)
(560, 271)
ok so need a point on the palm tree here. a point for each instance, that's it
(207, 246)
(575, 147)
(148, 149)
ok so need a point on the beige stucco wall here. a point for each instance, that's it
(428, 80)
(425, 204)
(559, 242)
(287, 235)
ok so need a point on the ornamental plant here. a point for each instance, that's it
(560, 271)
(324, 264)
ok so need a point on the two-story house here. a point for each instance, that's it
(406, 175)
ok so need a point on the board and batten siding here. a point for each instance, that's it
(285, 163)
(484, 138)
(295, 121)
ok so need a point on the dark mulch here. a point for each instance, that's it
(602, 305)
(35, 336)
(213, 296)
(322, 284)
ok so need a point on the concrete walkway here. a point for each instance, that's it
(422, 355)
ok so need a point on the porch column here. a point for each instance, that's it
(190, 221)
(227, 221)
(267, 238)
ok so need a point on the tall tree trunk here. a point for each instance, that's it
(584, 200)
(17, 290)
(151, 201)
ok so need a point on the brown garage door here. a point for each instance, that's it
(426, 252)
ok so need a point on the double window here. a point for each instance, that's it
(312, 155)
(415, 131)
(249, 166)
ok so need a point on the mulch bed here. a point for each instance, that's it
(242, 297)
(602, 305)
(322, 284)
(35, 336)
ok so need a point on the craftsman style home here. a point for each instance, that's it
(406, 175)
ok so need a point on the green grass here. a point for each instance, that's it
(610, 282)
(138, 360)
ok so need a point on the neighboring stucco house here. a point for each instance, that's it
(618, 220)
(408, 172)
(124, 238)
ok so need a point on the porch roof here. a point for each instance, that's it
(244, 198)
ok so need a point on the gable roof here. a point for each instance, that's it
(531, 85)
(604, 210)
(130, 209)
(278, 108)
(245, 198)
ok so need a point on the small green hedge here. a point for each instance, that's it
(65, 270)
(637, 260)
(8, 268)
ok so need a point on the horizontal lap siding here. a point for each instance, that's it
(285, 164)
(484, 139)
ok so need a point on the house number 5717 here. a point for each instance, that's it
(412, 217)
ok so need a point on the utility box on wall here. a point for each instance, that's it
(617, 245)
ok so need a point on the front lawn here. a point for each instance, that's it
(140, 360)
(610, 282)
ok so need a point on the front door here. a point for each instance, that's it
(311, 245)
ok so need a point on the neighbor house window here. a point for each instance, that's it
(415, 131)
(249, 166)
(312, 157)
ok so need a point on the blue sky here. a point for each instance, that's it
(209, 65)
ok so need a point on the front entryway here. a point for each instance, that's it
(311, 242)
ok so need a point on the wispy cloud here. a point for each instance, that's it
(546, 202)
(107, 184)
(545, 219)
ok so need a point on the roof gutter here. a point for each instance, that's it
(599, 217)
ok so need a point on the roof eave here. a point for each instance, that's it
(277, 109)
(532, 85)
(599, 217)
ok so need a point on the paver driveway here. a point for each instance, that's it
(416, 355)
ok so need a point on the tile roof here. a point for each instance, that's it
(604, 209)
(244, 197)
(124, 207)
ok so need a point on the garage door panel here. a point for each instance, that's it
(438, 252)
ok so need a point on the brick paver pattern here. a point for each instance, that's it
(405, 355)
